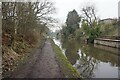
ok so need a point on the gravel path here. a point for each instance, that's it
(41, 64)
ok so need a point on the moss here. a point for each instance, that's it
(66, 67)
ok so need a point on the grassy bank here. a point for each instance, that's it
(67, 69)
(29, 50)
(13, 59)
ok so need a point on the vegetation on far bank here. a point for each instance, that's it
(66, 67)
(87, 26)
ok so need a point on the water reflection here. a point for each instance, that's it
(86, 65)
(57, 42)
(110, 49)
(90, 61)
(71, 50)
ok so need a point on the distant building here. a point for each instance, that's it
(107, 21)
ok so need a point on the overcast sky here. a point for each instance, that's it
(105, 8)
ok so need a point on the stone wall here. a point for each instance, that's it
(109, 49)
(108, 42)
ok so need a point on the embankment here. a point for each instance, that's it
(111, 45)
(66, 68)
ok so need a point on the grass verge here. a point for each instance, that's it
(67, 69)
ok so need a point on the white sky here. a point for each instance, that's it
(105, 8)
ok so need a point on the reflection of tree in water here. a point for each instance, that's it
(71, 51)
(88, 57)
(86, 65)
(101, 55)
(72, 56)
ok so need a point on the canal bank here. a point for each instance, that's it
(111, 45)
(109, 49)
(107, 42)
(90, 62)
(41, 63)
(67, 69)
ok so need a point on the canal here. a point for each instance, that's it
(90, 61)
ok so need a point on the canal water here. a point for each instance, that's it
(90, 61)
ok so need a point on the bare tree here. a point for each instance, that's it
(89, 14)
(43, 9)
(23, 17)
